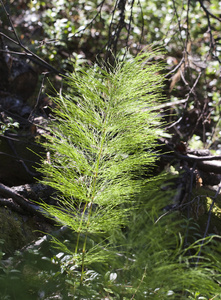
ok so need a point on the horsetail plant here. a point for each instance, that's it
(102, 144)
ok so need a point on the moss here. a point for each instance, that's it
(15, 230)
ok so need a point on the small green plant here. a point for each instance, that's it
(8, 125)
(101, 147)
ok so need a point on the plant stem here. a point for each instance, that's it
(91, 196)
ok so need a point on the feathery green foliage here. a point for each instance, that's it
(102, 151)
(102, 144)
(160, 262)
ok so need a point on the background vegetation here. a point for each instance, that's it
(171, 246)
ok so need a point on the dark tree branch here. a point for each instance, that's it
(130, 22)
(178, 20)
(12, 205)
(19, 159)
(31, 116)
(142, 17)
(207, 163)
(93, 19)
(24, 203)
(208, 13)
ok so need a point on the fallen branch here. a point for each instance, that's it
(190, 157)
(207, 163)
(204, 163)
(24, 203)
(11, 204)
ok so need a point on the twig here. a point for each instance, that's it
(191, 157)
(142, 20)
(178, 20)
(110, 32)
(174, 123)
(169, 104)
(31, 116)
(142, 279)
(10, 142)
(195, 83)
(92, 20)
(177, 67)
(207, 163)
(208, 12)
(189, 199)
(129, 25)
(208, 15)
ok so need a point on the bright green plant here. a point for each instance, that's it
(101, 147)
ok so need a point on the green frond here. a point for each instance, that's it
(105, 133)
(102, 143)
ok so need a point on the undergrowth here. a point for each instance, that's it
(102, 148)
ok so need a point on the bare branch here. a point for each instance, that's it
(24, 203)
(208, 13)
